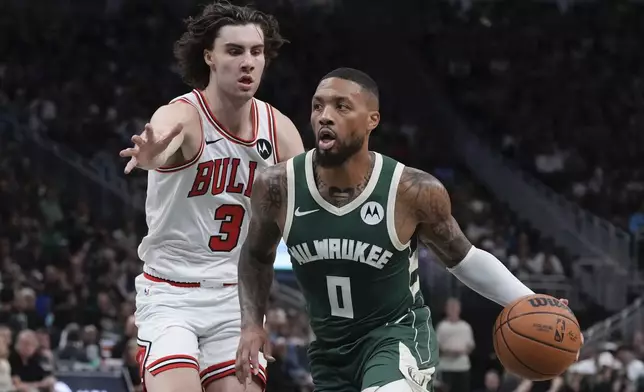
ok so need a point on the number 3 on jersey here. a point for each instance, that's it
(339, 288)
(232, 218)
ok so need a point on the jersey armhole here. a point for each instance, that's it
(391, 208)
(272, 132)
(186, 164)
(290, 198)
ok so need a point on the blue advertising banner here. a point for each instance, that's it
(92, 382)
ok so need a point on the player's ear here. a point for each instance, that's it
(373, 121)
(208, 57)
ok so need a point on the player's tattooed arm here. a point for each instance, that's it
(258, 252)
(431, 207)
(476, 268)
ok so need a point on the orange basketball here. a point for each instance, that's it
(537, 337)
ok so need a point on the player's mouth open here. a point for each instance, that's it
(326, 139)
(245, 81)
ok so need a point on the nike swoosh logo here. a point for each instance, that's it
(302, 213)
(208, 142)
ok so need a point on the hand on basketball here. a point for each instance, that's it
(565, 302)
(253, 339)
(148, 146)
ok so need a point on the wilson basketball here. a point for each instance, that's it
(537, 337)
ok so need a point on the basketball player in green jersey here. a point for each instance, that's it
(352, 219)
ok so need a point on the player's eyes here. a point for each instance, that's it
(257, 52)
(317, 106)
(343, 107)
(234, 52)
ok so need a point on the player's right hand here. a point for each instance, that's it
(147, 147)
(253, 338)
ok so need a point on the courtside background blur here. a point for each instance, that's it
(530, 112)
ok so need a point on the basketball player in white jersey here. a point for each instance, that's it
(202, 152)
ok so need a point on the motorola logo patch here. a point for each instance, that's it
(372, 213)
(264, 148)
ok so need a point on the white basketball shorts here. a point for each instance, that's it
(188, 325)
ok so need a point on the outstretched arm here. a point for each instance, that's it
(258, 252)
(476, 268)
(169, 129)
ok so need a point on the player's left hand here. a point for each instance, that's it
(253, 338)
(565, 302)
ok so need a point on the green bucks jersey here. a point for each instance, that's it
(354, 272)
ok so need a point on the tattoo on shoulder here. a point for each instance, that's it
(424, 192)
(430, 203)
(271, 188)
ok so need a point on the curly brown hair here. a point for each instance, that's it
(203, 29)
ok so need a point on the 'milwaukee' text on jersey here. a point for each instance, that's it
(341, 249)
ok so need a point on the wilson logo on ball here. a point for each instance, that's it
(544, 301)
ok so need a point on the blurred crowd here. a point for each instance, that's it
(560, 93)
(66, 300)
(616, 366)
(81, 79)
(490, 225)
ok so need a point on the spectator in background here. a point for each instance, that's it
(550, 162)
(24, 313)
(44, 345)
(90, 345)
(130, 332)
(72, 345)
(492, 381)
(131, 364)
(72, 288)
(522, 261)
(29, 370)
(456, 342)
(104, 315)
(633, 367)
(638, 344)
(6, 301)
(6, 334)
(546, 262)
(5, 368)
(279, 379)
(289, 331)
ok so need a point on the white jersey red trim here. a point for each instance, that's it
(198, 211)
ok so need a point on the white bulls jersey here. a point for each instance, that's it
(198, 212)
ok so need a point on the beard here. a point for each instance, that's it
(340, 152)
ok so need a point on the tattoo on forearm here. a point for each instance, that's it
(255, 279)
(255, 270)
(433, 211)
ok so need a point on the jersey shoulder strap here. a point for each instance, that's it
(385, 177)
(390, 179)
(266, 130)
(296, 188)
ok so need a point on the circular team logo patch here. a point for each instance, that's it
(264, 148)
(372, 213)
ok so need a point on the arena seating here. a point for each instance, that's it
(560, 94)
(69, 260)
